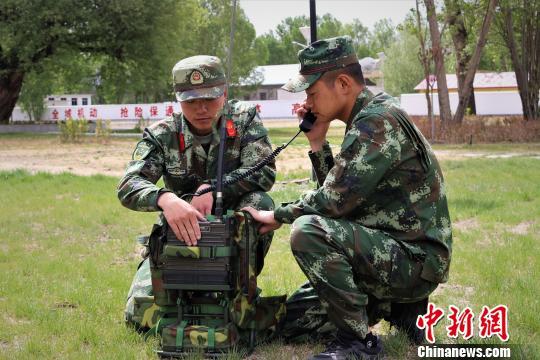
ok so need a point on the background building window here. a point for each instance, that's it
(73, 101)
(85, 101)
(262, 96)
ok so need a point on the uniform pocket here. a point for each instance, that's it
(407, 263)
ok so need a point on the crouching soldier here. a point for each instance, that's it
(183, 150)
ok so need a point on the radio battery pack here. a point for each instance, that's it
(206, 266)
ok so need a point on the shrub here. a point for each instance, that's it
(141, 124)
(103, 130)
(481, 129)
(72, 130)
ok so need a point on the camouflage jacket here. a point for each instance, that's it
(385, 177)
(159, 154)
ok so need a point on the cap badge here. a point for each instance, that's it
(196, 78)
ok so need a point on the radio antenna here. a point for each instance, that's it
(226, 116)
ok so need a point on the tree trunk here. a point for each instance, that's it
(454, 17)
(473, 63)
(10, 88)
(426, 62)
(438, 57)
(527, 69)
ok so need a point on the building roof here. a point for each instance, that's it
(482, 80)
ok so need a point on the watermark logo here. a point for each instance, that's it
(491, 322)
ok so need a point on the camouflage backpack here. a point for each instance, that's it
(204, 297)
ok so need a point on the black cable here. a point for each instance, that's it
(236, 178)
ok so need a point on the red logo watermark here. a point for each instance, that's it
(491, 322)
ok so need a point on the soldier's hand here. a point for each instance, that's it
(181, 217)
(317, 134)
(266, 218)
(204, 202)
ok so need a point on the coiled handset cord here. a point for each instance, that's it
(236, 178)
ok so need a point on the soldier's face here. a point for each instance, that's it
(323, 101)
(202, 113)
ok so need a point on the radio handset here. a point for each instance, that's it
(307, 122)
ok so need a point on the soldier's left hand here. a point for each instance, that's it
(204, 202)
(266, 218)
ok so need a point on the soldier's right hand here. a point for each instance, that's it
(181, 217)
(317, 135)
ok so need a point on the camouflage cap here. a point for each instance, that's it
(198, 77)
(321, 56)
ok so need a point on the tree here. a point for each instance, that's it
(425, 57)
(383, 35)
(361, 37)
(521, 32)
(401, 68)
(33, 31)
(282, 44)
(438, 58)
(466, 62)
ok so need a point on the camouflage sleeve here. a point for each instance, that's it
(365, 157)
(322, 162)
(255, 146)
(137, 189)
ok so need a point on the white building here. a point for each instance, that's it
(494, 94)
(68, 100)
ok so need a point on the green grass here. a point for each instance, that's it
(68, 254)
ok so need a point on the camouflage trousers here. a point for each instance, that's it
(354, 274)
(141, 286)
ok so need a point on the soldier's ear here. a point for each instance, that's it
(343, 83)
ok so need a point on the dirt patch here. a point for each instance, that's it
(51, 155)
(48, 154)
(461, 294)
(522, 228)
(12, 320)
(466, 224)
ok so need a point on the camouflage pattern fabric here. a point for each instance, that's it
(319, 57)
(159, 155)
(379, 224)
(140, 307)
(198, 77)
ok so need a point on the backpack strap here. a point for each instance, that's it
(180, 334)
(211, 338)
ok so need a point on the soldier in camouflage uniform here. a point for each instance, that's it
(374, 239)
(183, 151)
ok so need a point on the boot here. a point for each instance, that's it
(403, 316)
(348, 346)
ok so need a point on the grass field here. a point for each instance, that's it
(68, 254)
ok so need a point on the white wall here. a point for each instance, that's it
(113, 112)
(416, 104)
(268, 109)
(274, 109)
(487, 103)
(498, 103)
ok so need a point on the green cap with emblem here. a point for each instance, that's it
(321, 56)
(198, 77)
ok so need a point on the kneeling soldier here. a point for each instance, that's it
(183, 150)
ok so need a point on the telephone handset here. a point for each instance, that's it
(307, 122)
